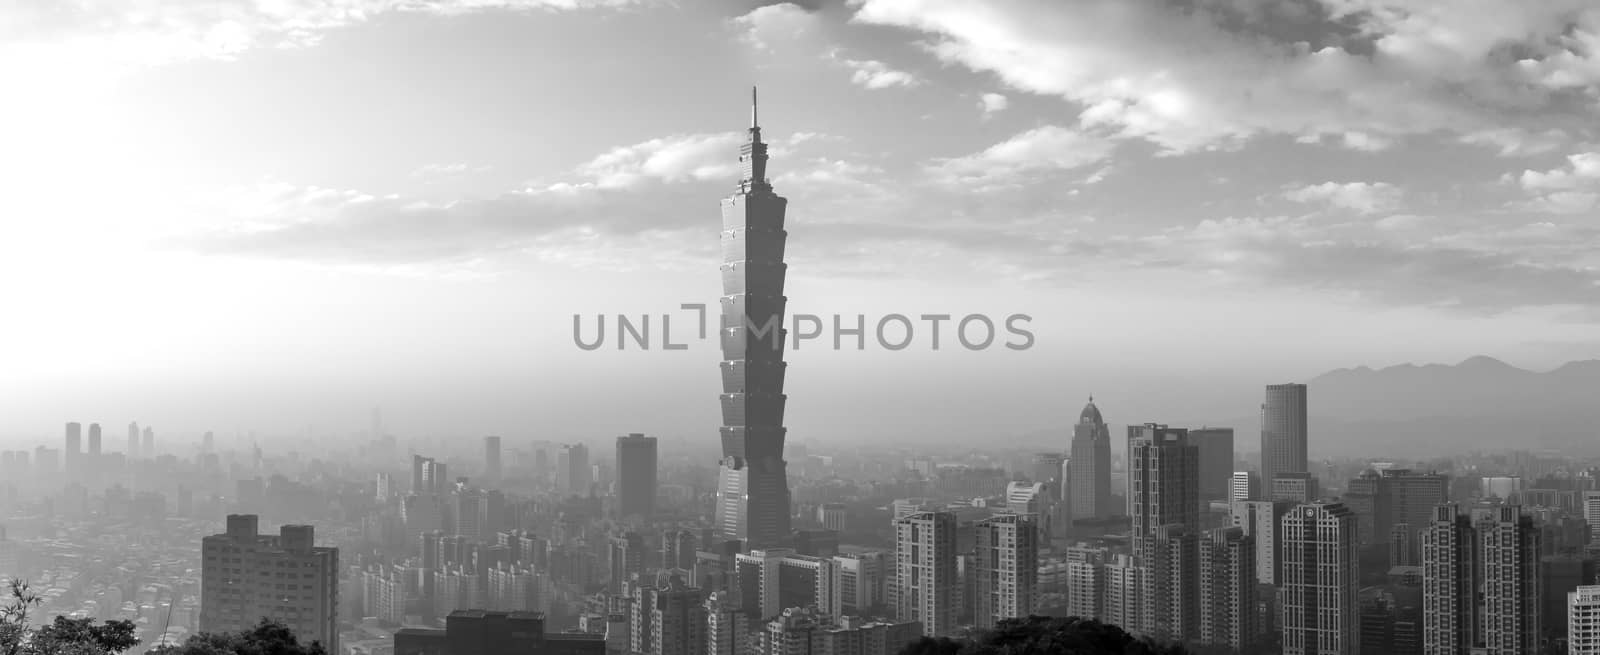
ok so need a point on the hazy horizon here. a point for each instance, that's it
(267, 217)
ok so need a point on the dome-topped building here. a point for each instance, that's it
(1089, 489)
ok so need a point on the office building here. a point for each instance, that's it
(493, 471)
(625, 558)
(753, 484)
(1318, 609)
(1048, 470)
(1228, 589)
(94, 445)
(862, 581)
(1283, 431)
(149, 447)
(1216, 461)
(1089, 466)
(1244, 485)
(1163, 487)
(1297, 488)
(1583, 621)
(925, 588)
(1007, 568)
(1394, 506)
(243, 580)
(636, 475)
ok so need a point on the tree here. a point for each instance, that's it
(267, 638)
(1041, 635)
(63, 636)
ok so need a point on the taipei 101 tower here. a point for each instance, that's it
(753, 487)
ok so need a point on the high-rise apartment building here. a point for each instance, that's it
(636, 475)
(925, 588)
(1007, 568)
(1216, 461)
(1508, 550)
(1583, 621)
(1318, 609)
(625, 558)
(1283, 431)
(492, 469)
(753, 485)
(1163, 482)
(727, 626)
(1449, 583)
(1228, 589)
(1086, 582)
(1171, 594)
(246, 577)
(862, 581)
(1089, 482)
(1125, 589)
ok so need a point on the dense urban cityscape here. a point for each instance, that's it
(403, 545)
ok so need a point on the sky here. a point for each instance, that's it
(275, 215)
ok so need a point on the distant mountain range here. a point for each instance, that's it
(1481, 403)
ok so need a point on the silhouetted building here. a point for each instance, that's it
(480, 632)
(1216, 460)
(636, 475)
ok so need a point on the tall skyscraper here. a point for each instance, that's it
(72, 452)
(241, 581)
(133, 440)
(1007, 559)
(1319, 614)
(1228, 589)
(1583, 621)
(1090, 466)
(94, 443)
(1396, 499)
(1283, 431)
(1163, 483)
(1216, 460)
(925, 587)
(1508, 549)
(491, 461)
(1449, 583)
(753, 486)
(149, 447)
(636, 475)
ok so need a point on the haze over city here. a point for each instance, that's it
(269, 216)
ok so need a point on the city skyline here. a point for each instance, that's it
(268, 239)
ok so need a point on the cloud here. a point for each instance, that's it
(1208, 74)
(153, 33)
(1010, 162)
(669, 159)
(992, 103)
(1570, 189)
(873, 74)
(764, 27)
(448, 170)
(1359, 197)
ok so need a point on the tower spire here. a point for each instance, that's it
(755, 124)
